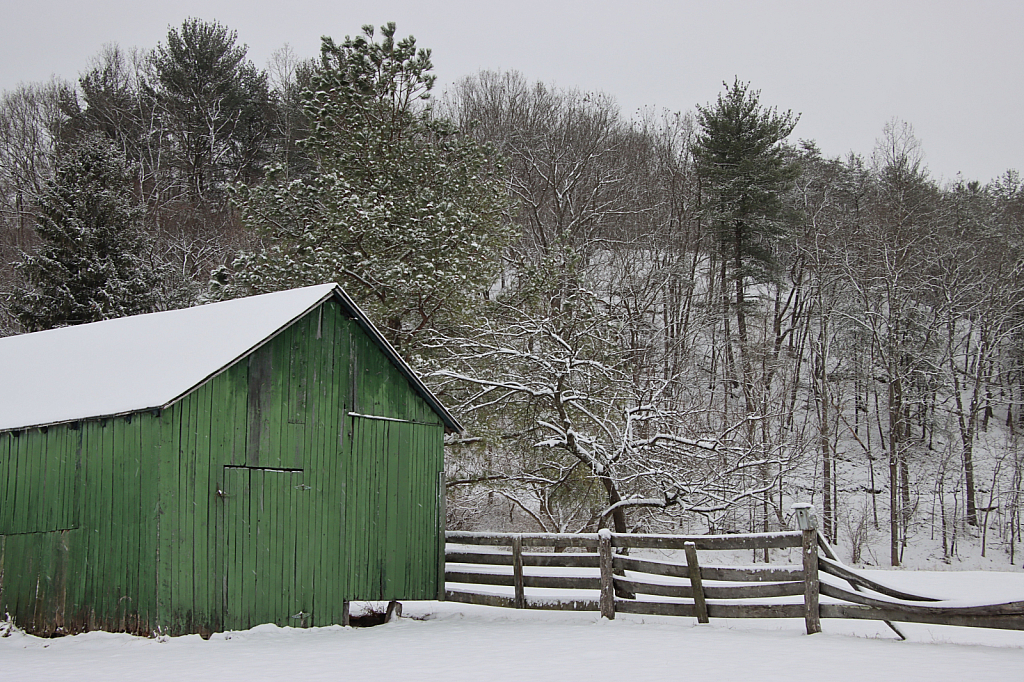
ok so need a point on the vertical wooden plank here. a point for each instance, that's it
(186, 516)
(264, 538)
(115, 551)
(221, 413)
(185, 594)
(427, 487)
(286, 511)
(367, 530)
(8, 472)
(238, 381)
(319, 504)
(696, 583)
(113, 548)
(405, 530)
(438, 508)
(604, 549)
(298, 388)
(393, 531)
(13, 560)
(149, 455)
(377, 512)
(356, 494)
(339, 451)
(132, 503)
(260, 399)
(98, 509)
(49, 457)
(278, 402)
(281, 511)
(167, 486)
(121, 431)
(34, 512)
(24, 480)
(304, 555)
(303, 600)
(241, 577)
(61, 492)
(331, 576)
(297, 550)
(270, 535)
(517, 571)
(258, 480)
(417, 485)
(204, 525)
(91, 493)
(227, 510)
(4, 607)
(812, 615)
(284, 524)
(75, 603)
(251, 596)
(130, 453)
(279, 568)
(75, 436)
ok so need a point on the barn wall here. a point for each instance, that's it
(76, 535)
(256, 498)
(315, 506)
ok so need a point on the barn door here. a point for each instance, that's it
(264, 550)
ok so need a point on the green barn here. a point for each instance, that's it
(262, 460)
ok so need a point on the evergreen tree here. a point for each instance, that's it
(401, 208)
(90, 265)
(745, 171)
(215, 105)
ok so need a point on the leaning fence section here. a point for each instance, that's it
(594, 572)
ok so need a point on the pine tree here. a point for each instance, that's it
(402, 209)
(90, 265)
(214, 103)
(745, 171)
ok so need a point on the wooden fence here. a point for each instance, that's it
(599, 578)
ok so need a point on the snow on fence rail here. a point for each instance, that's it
(599, 579)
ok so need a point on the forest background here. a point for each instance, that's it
(678, 321)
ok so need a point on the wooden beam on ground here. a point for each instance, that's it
(855, 579)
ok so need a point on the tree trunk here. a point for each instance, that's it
(619, 513)
(895, 441)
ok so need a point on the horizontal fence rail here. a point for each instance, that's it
(596, 574)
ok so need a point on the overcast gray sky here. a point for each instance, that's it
(951, 69)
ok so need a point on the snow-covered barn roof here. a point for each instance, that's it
(144, 362)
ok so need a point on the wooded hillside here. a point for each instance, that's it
(680, 320)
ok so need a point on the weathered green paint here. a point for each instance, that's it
(271, 493)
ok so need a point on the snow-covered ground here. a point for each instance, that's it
(451, 642)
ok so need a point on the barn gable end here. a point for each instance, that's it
(303, 475)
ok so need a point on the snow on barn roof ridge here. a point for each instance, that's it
(144, 362)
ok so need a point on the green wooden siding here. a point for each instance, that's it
(262, 496)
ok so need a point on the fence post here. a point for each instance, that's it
(696, 583)
(517, 570)
(604, 550)
(806, 521)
